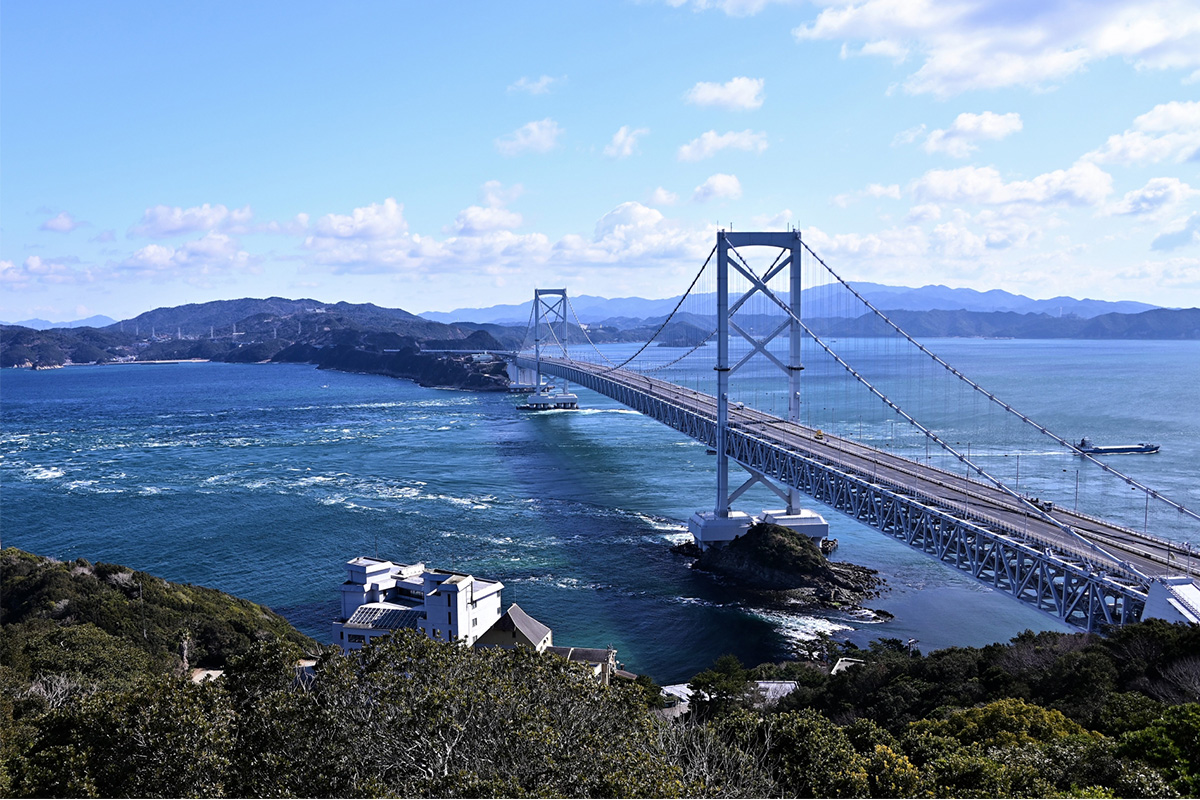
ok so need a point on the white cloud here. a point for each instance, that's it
(1188, 234)
(477, 220)
(987, 44)
(63, 222)
(1084, 184)
(38, 270)
(632, 234)
(718, 187)
(624, 142)
(539, 136)
(1158, 194)
(1167, 132)
(951, 240)
(540, 85)
(782, 221)
(710, 143)
(733, 8)
(961, 138)
(876, 190)
(376, 221)
(214, 253)
(163, 221)
(738, 94)
(924, 212)
(662, 197)
(104, 237)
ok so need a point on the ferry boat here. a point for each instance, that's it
(1085, 446)
(545, 401)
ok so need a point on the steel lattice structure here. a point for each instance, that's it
(1065, 584)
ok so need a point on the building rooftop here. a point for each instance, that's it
(515, 619)
(384, 616)
(589, 655)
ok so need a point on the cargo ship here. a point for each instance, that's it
(1085, 446)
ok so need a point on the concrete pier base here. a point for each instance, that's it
(709, 529)
(806, 522)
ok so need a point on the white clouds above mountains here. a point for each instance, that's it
(477, 220)
(1157, 195)
(624, 142)
(62, 222)
(988, 44)
(738, 94)
(540, 85)
(376, 221)
(212, 254)
(962, 137)
(1168, 132)
(1083, 184)
(710, 143)
(163, 221)
(37, 270)
(540, 136)
(875, 190)
(718, 187)
(1188, 234)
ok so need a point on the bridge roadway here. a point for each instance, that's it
(954, 494)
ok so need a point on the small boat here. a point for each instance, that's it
(1085, 446)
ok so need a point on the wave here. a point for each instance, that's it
(796, 627)
(40, 473)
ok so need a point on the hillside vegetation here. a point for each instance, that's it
(93, 703)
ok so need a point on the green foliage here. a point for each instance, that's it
(1004, 723)
(1172, 744)
(781, 548)
(92, 703)
(720, 690)
(133, 609)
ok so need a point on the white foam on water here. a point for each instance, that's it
(797, 627)
(40, 473)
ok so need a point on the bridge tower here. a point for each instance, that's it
(724, 524)
(547, 313)
(550, 329)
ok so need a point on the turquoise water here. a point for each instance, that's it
(262, 480)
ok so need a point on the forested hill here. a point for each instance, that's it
(257, 319)
(94, 702)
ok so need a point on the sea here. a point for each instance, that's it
(263, 480)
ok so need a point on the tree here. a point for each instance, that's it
(721, 689)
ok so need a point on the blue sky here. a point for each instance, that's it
(432, 156)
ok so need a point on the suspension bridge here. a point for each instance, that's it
(783, 369)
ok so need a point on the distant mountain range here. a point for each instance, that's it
(592, 309)
(370, 338)
(38, 324)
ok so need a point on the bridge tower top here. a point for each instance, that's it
(549, 313)
(728, 241)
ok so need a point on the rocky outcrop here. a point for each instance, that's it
(771, 559)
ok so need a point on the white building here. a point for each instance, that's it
(380, 596)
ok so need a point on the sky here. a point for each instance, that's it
(434, 156)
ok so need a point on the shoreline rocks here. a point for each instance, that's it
(777, 563)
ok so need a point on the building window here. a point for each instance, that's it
(447, 599)
(449, 617)
(355, 638)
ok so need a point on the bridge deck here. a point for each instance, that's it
(954, 494)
